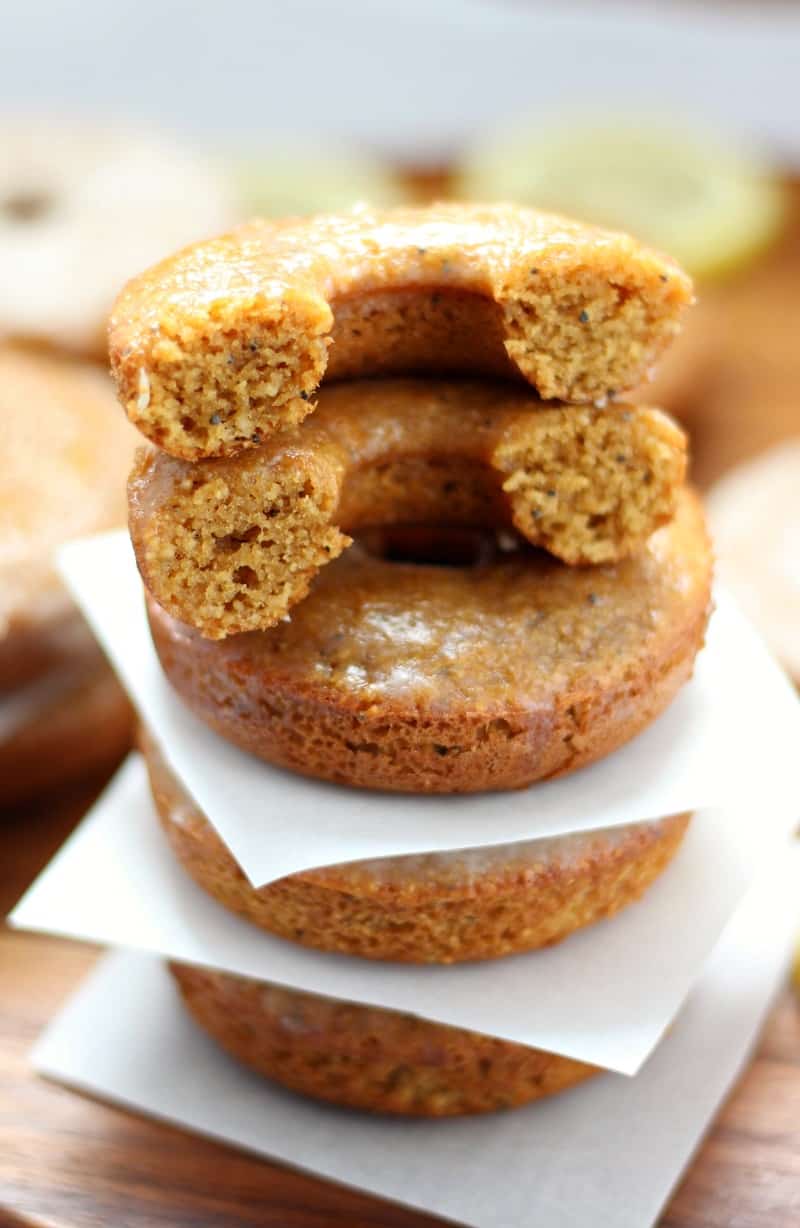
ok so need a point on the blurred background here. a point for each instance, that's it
(127, 129)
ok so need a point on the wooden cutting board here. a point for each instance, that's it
(67, 1161)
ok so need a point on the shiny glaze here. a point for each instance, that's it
(507, 636)
(489, 250)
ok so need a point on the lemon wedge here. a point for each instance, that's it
(285, 184)
(711, 208)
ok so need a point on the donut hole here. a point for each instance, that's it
(431, 545)
(25, 207)
(415, 328)
(430, 471)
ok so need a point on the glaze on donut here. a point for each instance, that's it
(231, 545)
(226, 342)
(430, 679)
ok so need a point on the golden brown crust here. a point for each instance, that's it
(366, 1057)
(227, 342)
(434, 679)
(433, 908)
(231, 545)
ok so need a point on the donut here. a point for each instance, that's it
(754, 511)
(227, 342)
(82, 208)
(367, 1057)
(66, 453)
(69, 724)
(439, 908)
(231, 545)
(417, 677)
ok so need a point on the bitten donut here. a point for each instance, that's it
(231, 545)
(435, 908)
(424, 678)
(83, 208)
(226, 342)
(367, 1057)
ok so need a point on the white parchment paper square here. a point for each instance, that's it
(734, 728)
(604, 1155)
(605, 995)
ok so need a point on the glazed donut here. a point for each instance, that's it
(68, 725)
(433, 679)
(81, 210)
(227, 342)
(65, 457)
(439, 908)
(231, 545)
(367, 1057)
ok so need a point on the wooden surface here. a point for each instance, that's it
(69, 1162)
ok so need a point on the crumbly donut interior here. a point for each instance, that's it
(590, 486)
(234, 554)
(231, 546)
(588, 333)
(227, 383)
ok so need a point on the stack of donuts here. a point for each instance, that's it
(399, 530)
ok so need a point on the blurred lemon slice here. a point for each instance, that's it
(709, 207)
(285, 183)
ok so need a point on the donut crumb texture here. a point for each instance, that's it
(230, 546)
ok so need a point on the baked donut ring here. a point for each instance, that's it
(368, 1057)
(83, 208)
(431, 908)
(65, 457)
(231, 545)
(430, 679)
(72, 725)
(227, 342)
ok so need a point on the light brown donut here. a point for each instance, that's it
(366, 1057)
(435, 679)
(71, 724)
(231, 545)
(439, 908)
(226, 342)
(65, 455)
